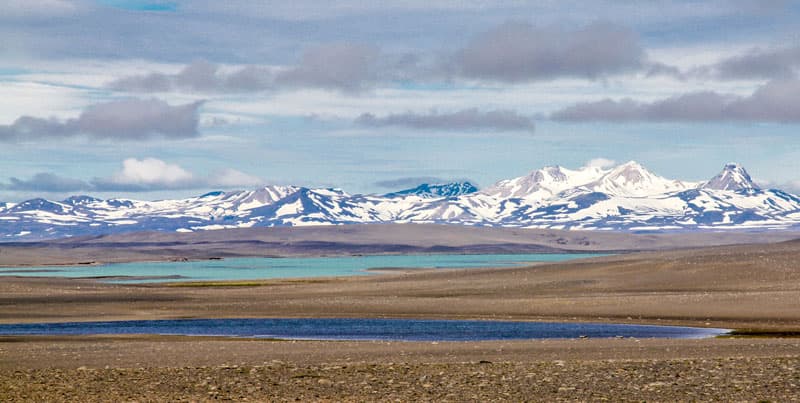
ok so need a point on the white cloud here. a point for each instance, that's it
(151, 172)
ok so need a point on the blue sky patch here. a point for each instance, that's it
(138, 5)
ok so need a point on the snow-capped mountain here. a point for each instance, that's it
(629, 179)
(627, 197)
(733, 177)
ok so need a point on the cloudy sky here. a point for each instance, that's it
(152, 99)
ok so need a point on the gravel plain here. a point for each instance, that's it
(755, 288)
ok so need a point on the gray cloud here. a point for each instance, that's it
(516, 52)
(46, 182)
(776, 101)
(465, 119)
(199, 76)
(130, 119)
(511, 52)
(240, 31)
(338, 66)
(757, 63)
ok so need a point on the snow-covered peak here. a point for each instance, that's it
(630, 173)
(544, 183)
(732, 178)
(632, 179)
(628, 179)
(246, 200)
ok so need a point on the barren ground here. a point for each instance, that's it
(743, 287)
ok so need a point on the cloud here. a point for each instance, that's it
(757, 63)
(518, 52)
(46, 182)
(780, 63)
(147, 174)
(240, 31)
(137, 175)
(465, 119)
(150, 174)
(199, 76)
(775, 101)
(130, 119)
(600, 163)
(512, 52)
(339, 66)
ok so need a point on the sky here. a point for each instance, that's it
(151, 99)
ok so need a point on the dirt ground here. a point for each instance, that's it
(754, 287)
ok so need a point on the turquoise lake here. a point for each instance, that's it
(271, 268)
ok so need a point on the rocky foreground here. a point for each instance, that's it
(728, 379)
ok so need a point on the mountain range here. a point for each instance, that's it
(626, 197)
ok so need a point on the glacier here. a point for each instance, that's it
(626, 197)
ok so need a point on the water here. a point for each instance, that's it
(268, 268)
(362, 329)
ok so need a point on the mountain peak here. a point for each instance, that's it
(630, 173)
(633, 179)
(438, 190)
(552, 173)
(631, 168)
(733, 178)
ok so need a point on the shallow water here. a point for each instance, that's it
(362, 329)
(267, 268)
